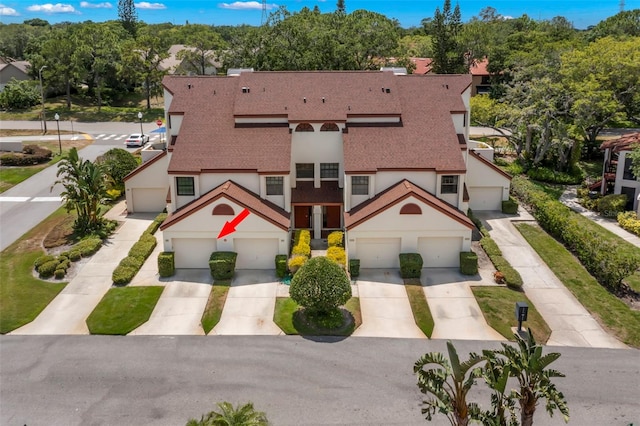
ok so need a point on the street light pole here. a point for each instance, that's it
(140, 118)
(57, 118)
(44, 121)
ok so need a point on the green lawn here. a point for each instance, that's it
(286, 318)
(123, 309)
(419, 306)
(498, 307)
(215, 304)
(614, 314)
(22, 296)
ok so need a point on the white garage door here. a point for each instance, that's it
(149, 200)
(485, 198)
(440, 252)
(378, 252)
(193, 252)
(256, 253)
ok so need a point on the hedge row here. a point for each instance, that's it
(602, 258)
(138, 254)
(630, 222)
(30, 155)
(301, 250)
(511, 277)
(56, 266)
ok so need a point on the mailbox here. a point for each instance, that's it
(522, 310)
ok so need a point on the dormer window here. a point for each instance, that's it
(185, 186)
(275, 185)
(359, 185)
(449, 184)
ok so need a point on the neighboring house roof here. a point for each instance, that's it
(480, 68)
(172, 63)
(21, 66)
(423, 65)
(210, 141)
(144, 166)
(624, 143)
(491, 165)
(239, 195)
(395, 194)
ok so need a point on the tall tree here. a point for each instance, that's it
(448, 52)
(128, 16)
(203, 47)
(341, 7)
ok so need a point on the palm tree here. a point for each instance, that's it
(496, 374)
(244, 415)
(448, 383)
(528, 365)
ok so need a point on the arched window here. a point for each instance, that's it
(410, 209)
(222, 210)
(304, 127)
(329, 127)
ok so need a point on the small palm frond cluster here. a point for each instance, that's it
(448, 381)
(228, 415)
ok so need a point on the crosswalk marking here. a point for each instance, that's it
(117, 137)
(44, 199)
(31, 199)
(14, 199)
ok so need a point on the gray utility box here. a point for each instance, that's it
(522, 310)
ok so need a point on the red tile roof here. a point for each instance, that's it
(395, 194)
(423, 65)
(480, 67)
(143, 166)
(239, 195)
(624, 143)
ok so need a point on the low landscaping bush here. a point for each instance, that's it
(166, 264)
(123, 275)
(630, 222)
(156, 223)
(295, 262)
(338, 255)
(510, 206)
(30, 155)
(544, 174)
(42, 260)
(132, 262)
(59, 273)
(410, 265)
(47, 269)
(301, 249)
(354, 267)
(468, 263)
(222, 264)
(612, 204)
(87, 247)
(281, 265)
(143, 247)
(335, 239)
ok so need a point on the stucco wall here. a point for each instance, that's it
(153, 176)
(425, 180)
(481, 175)
(317, 147)
(620, 181)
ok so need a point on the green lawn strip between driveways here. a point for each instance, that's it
(614, 314)
(286, 308)
(498, 307)
(215, 304)
(123, 309)
(419, 306)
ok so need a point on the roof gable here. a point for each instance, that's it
(489, 164)
(144, 166)
(624, 143)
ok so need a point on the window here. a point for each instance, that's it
(304, 127)
(628, 174)
(410, 209)
(329, 170)
(359, 185)
(275, 185)
(304, 171)
(185, 186)
(329, 127)
(449, 185)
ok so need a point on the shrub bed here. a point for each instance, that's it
(30, 155)
(222, 264)
(468, 263)
(545, 174)
(630, 222)
(338, 255)
(603, 258)
(612, 204)
(335, 239)
(410, 265)
(301, 249)
(166, 264)
(48, 266)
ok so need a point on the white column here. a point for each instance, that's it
(317, 222)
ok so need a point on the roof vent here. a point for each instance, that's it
(323, 99)
(387, 90)
(304, 100)
(189, 86)
(245, 89)
(237, 71)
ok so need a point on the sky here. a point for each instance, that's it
(582, 13)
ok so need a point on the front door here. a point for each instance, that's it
(331, 217)
(302, 217)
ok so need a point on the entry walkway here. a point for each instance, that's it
(67, 313)
(570, 323)
(570, 198)
(250, 305)
(384, 305)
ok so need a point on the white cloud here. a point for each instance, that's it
(245, 5)
(147, 5)
(7, 11)
(52, 8)
(105, 5)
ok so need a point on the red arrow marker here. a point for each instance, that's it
(230, 227)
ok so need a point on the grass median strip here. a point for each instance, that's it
(285, 317)
(123, 309)
(498, 307)
(215, 304)
(419, 306)
(610, 311)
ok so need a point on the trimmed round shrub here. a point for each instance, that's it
(59, 273)
(320, 286)
(64, 264)
(47, 269)
(42, 260)
(75, 255)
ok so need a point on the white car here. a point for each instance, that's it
(136, 139)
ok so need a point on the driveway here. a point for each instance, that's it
(384, 305)
(180, 307)
(454, 308)
(250, 305)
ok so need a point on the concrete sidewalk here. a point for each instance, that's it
(455, 310)
(570, 198)
(570, 323)
(67, 313)
(180, 307)
(250, 305)
(384, 306)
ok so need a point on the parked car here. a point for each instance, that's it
(136, 139)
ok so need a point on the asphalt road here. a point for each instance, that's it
(80, 380)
